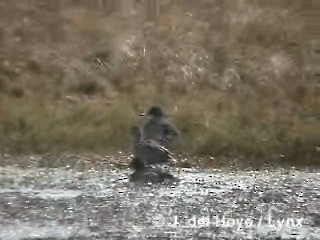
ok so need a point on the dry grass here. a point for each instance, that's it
(232, 79)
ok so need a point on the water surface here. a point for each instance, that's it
(67, 202)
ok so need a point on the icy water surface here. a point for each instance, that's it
(99, 203)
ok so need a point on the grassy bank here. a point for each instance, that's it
(231, 78)
(105, 127)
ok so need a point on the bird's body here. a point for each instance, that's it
(158, 127)
(150, 151)
(160, 130)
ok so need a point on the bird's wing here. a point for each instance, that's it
(155, 145)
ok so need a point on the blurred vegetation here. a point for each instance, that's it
(231, 76)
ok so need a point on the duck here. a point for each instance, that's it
(149, 151)
(158, 127)
(147, 174)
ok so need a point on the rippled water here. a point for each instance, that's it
(100, 203)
